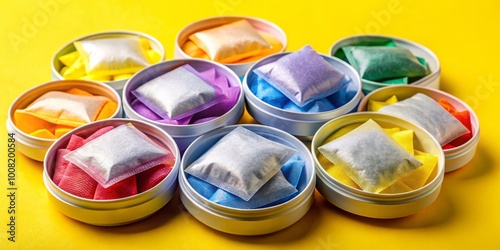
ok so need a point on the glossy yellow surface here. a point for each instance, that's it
(463, 34)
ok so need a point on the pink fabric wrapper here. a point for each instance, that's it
(75, 181)
(97, 133)
(74, 142)
(152, 176)
(61, 165)
(124, 188)
(231, 95)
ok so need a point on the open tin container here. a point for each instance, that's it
(248, 221)
(35, 147)
(184, 134)
(380, 206)
(298, 123)
(431, 80)
(239, 68)
(455, 157)
(56, 65)
(115, 211)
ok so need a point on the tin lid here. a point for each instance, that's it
(247, 221)
(116, 211)
(378, 205)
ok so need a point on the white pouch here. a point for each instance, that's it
(66, 109)
(179, 93)
(112, 56)
(120, 153)
(241, 162)
(427, 113)
(370, 157)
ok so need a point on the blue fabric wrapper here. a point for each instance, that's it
(203, 188)
(303, 76)
(270, 95)
(292, 171)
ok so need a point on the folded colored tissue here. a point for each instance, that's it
(319, 88)
(399, 181)
(282, 187)
(230, 42)
(462, 116)
(108, 59)
(380, 60)
(222, 98)
(56, 112)
(72, 179)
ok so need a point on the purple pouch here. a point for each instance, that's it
(303, 76)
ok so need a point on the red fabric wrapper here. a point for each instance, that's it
(74, 142)
(98, 133)
(75, 181)
(61, 165)
(463, 117)
(152, 176)
(124, 188)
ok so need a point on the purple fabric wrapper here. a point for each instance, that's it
(140, 108)
(303, 76)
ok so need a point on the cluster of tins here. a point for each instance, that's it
(292, 128)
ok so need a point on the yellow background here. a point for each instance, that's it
(463, 34)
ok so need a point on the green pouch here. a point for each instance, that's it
(363, 41)
(377, 63)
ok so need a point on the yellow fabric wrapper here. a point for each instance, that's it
(376, 105)
(230, 42)
(63, 70)
(75, 71)
(145, 44)
(195, 52)
(36, 125)
(99, 78)
(69, 58)
(122, 77)
(153, 56)
(411, 181)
